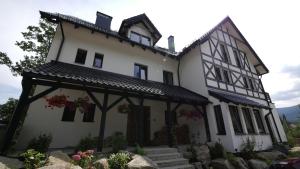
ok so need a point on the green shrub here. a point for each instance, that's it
(232, 159)
(139, 150)
(217, 151)
(118, 160)
(87, 143)
(119, 142)
(294, 154)
(33, 159)
(247, 150)
(41, 143)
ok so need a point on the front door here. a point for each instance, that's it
(136, 118)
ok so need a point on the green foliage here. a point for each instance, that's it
(33, 159)
(119, 142)
(294, 154)
(36, 44)
(232, 159)
(139, 150)
(247, 150)
(217, 151)
(118, 160)
(41, 143)
(87, 143)
(7, 109)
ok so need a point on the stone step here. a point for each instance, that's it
(150, 151)
(187, 166)
(172, 162)
(168, 156)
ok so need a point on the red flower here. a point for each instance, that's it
(76, 157)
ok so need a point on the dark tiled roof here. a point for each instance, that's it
(136, 19)
(78, 75)
(56, 17)
(204, 37)
(233, 98)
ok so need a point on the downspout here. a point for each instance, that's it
(61, 43)
(178, 75)
(270, 110)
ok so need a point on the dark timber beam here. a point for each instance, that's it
(95, 100)
(18, 115)
(176, 107)
(34, 98)
(115, 103)
(102, 124)
(140, 122)
(169, 121)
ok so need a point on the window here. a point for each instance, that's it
(236, 120)
(227, 79)
(248, 120)
(98, 60)
(218, 73)
(69, 112)
(246, 85)
(140, 38)
(259, 121)
(224, 53)
(219, 120)
(140, 71)
(237, 58)
(168, 77)
(251, 84)
(89, 116)
(80, 56)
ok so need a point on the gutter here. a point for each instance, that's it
(61, 43)
(270, 111)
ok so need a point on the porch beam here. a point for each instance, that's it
(130, 101)
(169, 121)
(34, 98)
(140, 122)
(102, 124)
(176, 107)
(115, 103)
(95, 100)
(18, 115)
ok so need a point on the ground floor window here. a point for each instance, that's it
(259, 121)
(89, 116)
(219, 120)
(69, 112)
(248, 120)
(236, 120)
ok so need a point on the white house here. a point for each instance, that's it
(210, 91)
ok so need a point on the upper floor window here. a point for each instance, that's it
(259, 121)
(140, 38)
(223, 75)
(236, 120)
(248, 120)
(218, 73)
(246, 85)
(227, 78)
(237, 59)
(168, 77)
(219, 120)
(69, 112)
(140, 71)
(98, 60)
(80, 56)
(251, 84)
(224, 53)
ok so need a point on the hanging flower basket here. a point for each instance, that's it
(124, 109)
(190, 114)
(57, 101)
(83, 104)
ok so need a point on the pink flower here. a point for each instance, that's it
(76, 157)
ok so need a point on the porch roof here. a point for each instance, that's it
(234, 98)
(83, 76)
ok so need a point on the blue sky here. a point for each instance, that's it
(271, 27)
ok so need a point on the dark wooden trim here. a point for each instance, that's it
(140, 122)
(204, 113)
(130, 101)
(115, 103)
(18, 115)
(102, 123)
(61, 43)
(176, 107)
(34, 98)
(169, 121)
(95, 100)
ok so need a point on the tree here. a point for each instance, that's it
(7, 109)
(36, 44)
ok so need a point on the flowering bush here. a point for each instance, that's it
(84, 159)
(33, 159)
(57, 101)
(194, 115)
(118, 160)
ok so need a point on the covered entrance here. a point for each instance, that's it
(58, 75)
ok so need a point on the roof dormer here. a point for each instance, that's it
(140, 29)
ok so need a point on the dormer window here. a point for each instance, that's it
(139, 38)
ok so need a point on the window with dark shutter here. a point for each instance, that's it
(89, 116)
(226, 74)
(259, 121)
(248, 120)
(140, 71)
(80, 56)
(168, 77)
(219, 120)
(246, 85)
(251, 84)
(224, 53)
(98, 60)
(237, 58)
(218, 73)
(69, 112)
(236, 120)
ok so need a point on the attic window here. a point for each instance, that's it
(140, 38)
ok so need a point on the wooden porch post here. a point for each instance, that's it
(102, 123)
(19, 113)
(140, 122)
(206, 123)
(169, 121)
